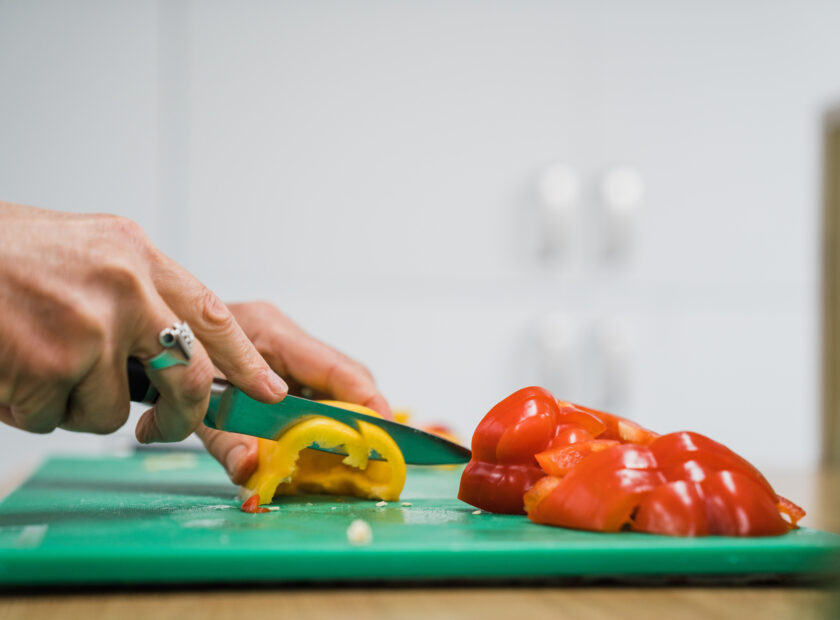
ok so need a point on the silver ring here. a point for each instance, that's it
(177, 342)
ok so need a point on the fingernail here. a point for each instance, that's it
(233, 457)
(278, 386)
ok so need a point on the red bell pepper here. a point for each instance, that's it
(503, 466)
(528, 422)
(606, 473)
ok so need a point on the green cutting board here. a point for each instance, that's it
(173, 518)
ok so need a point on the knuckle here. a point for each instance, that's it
(214, 313)
(62, 366)
(126, 233)
(80, 418)
(122, 277)
(112, 423)
(266, 308)
(364, 371)
(33, 421)
(126, 228)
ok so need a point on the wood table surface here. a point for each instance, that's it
(818, 492)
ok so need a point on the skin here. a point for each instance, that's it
(79, 294)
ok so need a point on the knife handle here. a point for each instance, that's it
(139, 386)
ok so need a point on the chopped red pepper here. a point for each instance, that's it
(528, 422)
(602, 491)
(606, 473)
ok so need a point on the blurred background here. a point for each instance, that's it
(621, 201)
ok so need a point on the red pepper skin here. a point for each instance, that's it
(497, 488)
(692, 456)
(584, 417)
(622, 429)
(601, 492)
(674, 509)
(737, 505)
(503, 466)
(568, 434)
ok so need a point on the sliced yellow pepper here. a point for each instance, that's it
(287, 466)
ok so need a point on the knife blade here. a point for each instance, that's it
(232, 410)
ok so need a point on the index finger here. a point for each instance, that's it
(214, 325)
(314, 364)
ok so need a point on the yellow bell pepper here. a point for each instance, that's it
(287, 466)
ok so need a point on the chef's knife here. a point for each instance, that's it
(232, 410)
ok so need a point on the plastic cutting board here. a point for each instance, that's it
(173, 518)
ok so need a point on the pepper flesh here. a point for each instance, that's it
(288, 466)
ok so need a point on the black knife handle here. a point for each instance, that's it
(139, 386)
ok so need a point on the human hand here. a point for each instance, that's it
(302, 361)
(79, 294)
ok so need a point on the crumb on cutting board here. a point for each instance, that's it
(476, 512)
(359, 533)
(407, 504)
(381, 504)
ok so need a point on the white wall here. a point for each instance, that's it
(371, 167)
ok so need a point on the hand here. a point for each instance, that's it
(79, 294)
(302, 360)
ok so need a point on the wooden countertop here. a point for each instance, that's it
(819, 493)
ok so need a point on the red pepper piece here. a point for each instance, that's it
(674, 509)
(558, 461)
(537, 493)
(581, 416)
(787, 507)
(692, 456)
(568, 434)
(497, 488)
(252, 505)
(738, 505)
(602, 491)
(503, 466)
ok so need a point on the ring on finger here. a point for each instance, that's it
(177, 342)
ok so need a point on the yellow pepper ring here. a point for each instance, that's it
(287, 466)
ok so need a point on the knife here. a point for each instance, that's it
(230, 409)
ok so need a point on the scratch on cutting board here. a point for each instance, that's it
(31, 536)
(204, 523)
(170, 462)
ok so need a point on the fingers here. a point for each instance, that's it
(40, 409)
(213, 324)
(184, 389)
(290, 350)
(182, 404)
(237, 453)
(100, 402)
